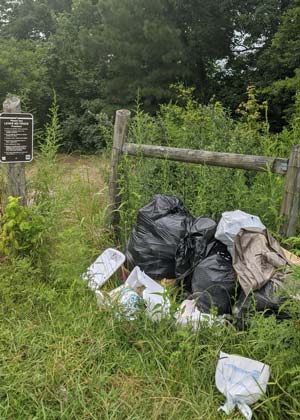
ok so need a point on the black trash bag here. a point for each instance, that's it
(214, 281)
(160, 226)
(267, 300)
(194, 247)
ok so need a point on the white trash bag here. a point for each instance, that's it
(231, 223)
(243, 381)
(189, 314)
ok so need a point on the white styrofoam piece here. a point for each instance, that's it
(157, 305)
(103, 268)
(138, 278)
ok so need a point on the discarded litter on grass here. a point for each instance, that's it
(137, 288)
(103, 268)
(191, 257)
(231, 223)
(243, 381)
(189, 314)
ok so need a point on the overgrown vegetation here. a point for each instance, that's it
(206, 190)
(60, 356)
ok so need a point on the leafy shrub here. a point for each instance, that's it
(21, 230)
(90, 131)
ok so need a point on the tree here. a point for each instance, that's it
(76, 71)
(280, 66)
(206, 30)
(74, 64)
(23, 72)
(105, 52)
(255, 24)
(30, 19)
(142, 49)
(5, 11)
(149, 45)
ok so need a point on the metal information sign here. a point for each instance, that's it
(16, 137)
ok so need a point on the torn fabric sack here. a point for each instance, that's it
(258, 258)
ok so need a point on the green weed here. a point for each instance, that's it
(21, 230)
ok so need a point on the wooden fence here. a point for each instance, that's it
(290, 168)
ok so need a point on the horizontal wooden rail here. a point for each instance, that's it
(227, 160)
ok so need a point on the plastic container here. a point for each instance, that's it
(157, 305)
(103, 268)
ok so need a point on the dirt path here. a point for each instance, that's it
(92, 169)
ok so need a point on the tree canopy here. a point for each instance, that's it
(99, 55)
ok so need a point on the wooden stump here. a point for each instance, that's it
(120, 131)
(290, 208)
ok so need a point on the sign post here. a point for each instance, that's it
(16, 134)
(16, 145)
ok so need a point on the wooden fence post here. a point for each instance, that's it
(290, 209)
(120, 131)
(16, 180)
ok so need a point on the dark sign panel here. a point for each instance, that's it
(16, 137)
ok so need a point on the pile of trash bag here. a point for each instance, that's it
(228, 270)
(229, 267)
(242, 381)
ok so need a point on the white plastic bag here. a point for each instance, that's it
(189, 314)
(243, 381)
(103, 268)
(231, 223)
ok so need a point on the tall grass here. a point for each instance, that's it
(206, 190)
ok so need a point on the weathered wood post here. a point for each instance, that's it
(120, 131)
(290, 209)
(16, 180)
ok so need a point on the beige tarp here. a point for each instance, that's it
(258, 258)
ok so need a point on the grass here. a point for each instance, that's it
(63, 358)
